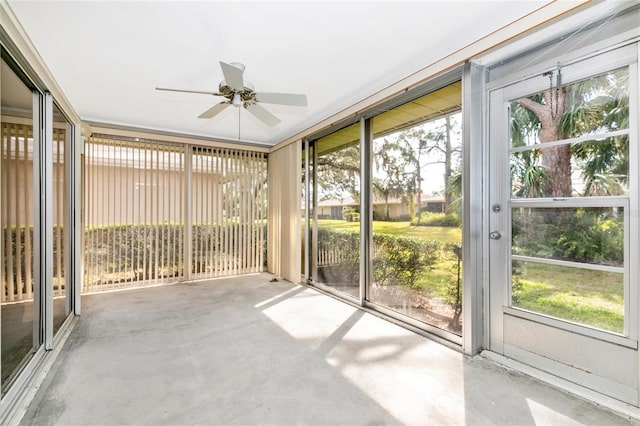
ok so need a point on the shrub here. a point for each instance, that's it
(570, 234)
(397, 260)
(402, 260)
(351, 215)
(449, 220)
(129, 247)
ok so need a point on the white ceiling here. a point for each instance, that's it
(108, 56)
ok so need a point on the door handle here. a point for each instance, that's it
(495, 235)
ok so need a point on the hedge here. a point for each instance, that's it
(397, 260)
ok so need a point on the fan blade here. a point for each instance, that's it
(262, 114)
(232, 76)
(200, 92)
(282, 98)
(214, 110)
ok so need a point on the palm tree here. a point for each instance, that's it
(593, 106)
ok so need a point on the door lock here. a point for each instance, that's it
(495, 235)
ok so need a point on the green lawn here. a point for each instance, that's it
(447, 235)
(579, 295)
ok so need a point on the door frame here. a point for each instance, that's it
(624, 348)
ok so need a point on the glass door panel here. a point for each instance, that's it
(17, 239)
(417, 230)
(336, 167)
(561, 154)
(571, 142)
(61, 135)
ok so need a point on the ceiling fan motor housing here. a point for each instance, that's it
(248, 95)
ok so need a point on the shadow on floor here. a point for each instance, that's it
(244, 350)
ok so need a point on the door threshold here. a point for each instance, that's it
(612, 404)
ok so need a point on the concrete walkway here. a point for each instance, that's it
(243, 351)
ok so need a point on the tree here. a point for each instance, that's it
(391, 182)
(338, 173)
(549, 107)
(430, 144)
(596, 105)
(602, 106)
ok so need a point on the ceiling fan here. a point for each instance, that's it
(242, 93)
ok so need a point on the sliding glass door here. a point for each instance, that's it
(385, 198)
(335, 256)
(417, 230)
(19, 327)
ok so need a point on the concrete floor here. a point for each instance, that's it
(247, 351)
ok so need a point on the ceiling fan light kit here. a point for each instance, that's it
(242, 93)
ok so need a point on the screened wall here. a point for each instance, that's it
(134, 213)
(386, 209)
(228, 212)
(157, 212)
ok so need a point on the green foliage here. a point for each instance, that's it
(397, 260)
(595, 105)
(338, 171)
(588, 240)
(453, 191)
(126, 247)
(402, 260)
(570, 234)
(20, 234)
(529, 178)
(351, 215)
(449, 220)
(454, 292)
(516, 282)
(345, 266)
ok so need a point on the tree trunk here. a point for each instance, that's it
(419, 196)
(556, 160)
(386, 207)
(447, 165)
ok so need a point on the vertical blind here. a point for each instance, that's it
(134, 219)
(138, 208)
(59, 202)
(17, 214)
(228, 212)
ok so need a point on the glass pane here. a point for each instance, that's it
(417, 232)
(593, 106)
(16, 238)
(60, 136)
(592, 298)
(592, 235)
(596, 167)
(597, 107)
(303, 211)
(338, 210)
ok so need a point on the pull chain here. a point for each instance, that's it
(556, 92)
(550, 74)
(558, 84)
